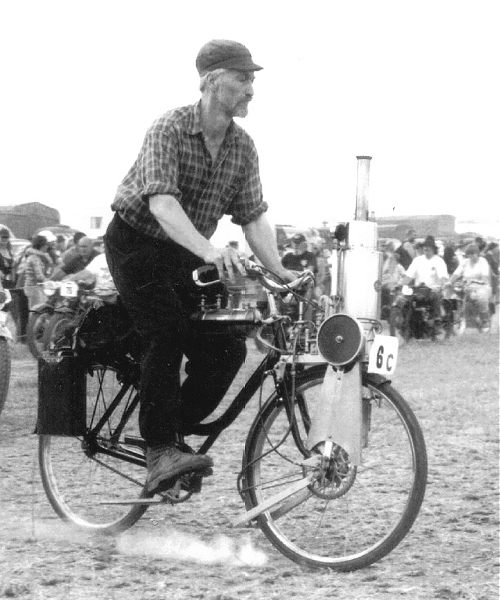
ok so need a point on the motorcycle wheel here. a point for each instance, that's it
(438, 332)
(35, 330)
(5, 365)
(398, 323)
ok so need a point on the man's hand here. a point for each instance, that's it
(225, 258)
(287, 275)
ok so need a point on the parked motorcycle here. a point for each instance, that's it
(470, 299)
(5, 351)
(39, 317)
(74, 300)
(453, 304)
(410, 315)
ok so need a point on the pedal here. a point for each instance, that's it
(192, 482)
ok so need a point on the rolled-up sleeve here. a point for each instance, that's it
(248, 204)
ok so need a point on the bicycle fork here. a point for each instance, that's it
(338, 416)
(336, 422)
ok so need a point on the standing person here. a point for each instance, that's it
(19, 305)
(407, 251)
(491, 254)
(38, 266)
(60, 246)
(195, 165)
(409, 242)
(300, 258)
(392, 276)
(72, 247)
(6, 260)
(450, 257)
(7, 272)
(481, 244)
(85, 253)
(324, 276)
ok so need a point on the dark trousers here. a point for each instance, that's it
(154, 280)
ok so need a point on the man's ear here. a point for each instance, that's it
(213, 79)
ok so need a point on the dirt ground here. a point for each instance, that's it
(190, 551)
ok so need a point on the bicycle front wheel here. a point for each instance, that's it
(351, 516)
(87, 478)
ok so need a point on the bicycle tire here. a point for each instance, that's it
(355, 524)
(35, 329)
(79, 481)
(5, 367)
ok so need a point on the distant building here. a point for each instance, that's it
(440, 226)
(25, 219)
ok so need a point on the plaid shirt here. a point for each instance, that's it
(174, 160)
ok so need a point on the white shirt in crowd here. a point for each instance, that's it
(479, 271)
(103, 280)
(428, 271)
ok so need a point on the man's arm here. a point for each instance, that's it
(59, 273)
(85, 276)
(171, 216)
(260, 238)
(410, 273)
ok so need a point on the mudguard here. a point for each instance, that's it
(374, 378)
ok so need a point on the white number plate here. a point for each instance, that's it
(383, 355)
(69, 289)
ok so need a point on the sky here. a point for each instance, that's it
(414, 85)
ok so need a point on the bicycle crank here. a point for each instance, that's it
(181, 490)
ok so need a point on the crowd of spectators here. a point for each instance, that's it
(51, 257)
(47, 257)
(472, 261)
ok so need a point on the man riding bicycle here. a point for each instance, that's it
(429, 271)
(195, 165)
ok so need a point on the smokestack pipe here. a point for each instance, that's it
(362, 212)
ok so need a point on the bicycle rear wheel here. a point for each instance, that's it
(351, 516)
(83, 476)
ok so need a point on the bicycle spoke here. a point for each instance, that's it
(347, 516)
(78, 473)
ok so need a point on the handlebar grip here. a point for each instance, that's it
(200, 273)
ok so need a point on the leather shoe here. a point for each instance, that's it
(166, 463)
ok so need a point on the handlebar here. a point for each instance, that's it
(200, 271)
(267, 278)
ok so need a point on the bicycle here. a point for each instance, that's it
(315, 502)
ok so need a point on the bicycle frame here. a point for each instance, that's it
(211, 430)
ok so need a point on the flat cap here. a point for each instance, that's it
(224, 54)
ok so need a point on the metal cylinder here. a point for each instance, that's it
(361, 282)
(363, 182)
(362, 234)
